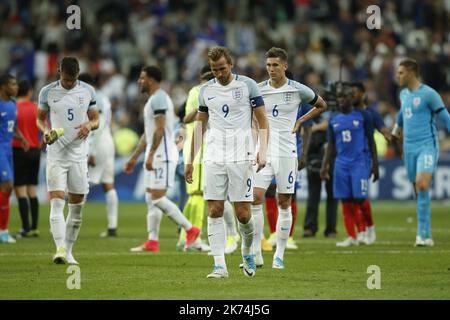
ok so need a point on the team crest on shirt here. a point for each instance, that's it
(287, 97)
(356, 123)
(81, 100)
(237, 93)
(416, 101)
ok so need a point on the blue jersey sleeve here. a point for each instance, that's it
(378, 121)
(435, 101)
(368, 127)
(330, 132)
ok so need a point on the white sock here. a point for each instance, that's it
(216, 238)
(154, 217)
(257, 213)
(57, 223)
(112, 203)
(247, 232)
(230, 220)
(284, 223)
(173, 212)
(73, 225)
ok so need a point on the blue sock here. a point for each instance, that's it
(423, 214)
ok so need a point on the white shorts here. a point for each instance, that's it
(103, 172)
(67, 175)
(285, 172)
(234, 180)
(162, 177)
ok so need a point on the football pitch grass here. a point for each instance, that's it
(317, 270)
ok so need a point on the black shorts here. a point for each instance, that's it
(26, 166)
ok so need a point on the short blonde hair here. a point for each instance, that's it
(215, 53)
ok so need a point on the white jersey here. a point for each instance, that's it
(282, 106)
(161, 104)
(230, 109)
(68, 109)
(101, 139)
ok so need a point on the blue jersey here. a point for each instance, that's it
(304, 109)
(350, 133)
(8, 115)
(377, 123)
(416, 116)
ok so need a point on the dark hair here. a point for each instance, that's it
(70, 66)
(206, 73)
(359, 85)
(24, 88)
(411, 65)
(86, 77)
(215, 53)
(5, 78)
(277, 53)
(153, 72)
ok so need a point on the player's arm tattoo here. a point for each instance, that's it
(140, 147)
(201, 123)
(190, 117)
(41, 120)
(160, 123)
(94, 118)
(319, 106)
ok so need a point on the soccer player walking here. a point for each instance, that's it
(8, 129)
(226, 104)
(348, 134)
(416, 119)
(359, 97)
(71, 106)
(101, 158)
(282, 98)
(161, 157)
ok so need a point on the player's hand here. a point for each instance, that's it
(375, 172)
(149, 162)
(297, 126)
(25, 145)
(188, 171)
(85, 129)
(260, 161)
(324, 174)
(129, 166)
(50, 137)
(92, 161)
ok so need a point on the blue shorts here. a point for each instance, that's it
(6, 165)
(423, 159)
(350, 182)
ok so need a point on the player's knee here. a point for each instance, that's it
(216, 210)
(284, 201)
(422, 185)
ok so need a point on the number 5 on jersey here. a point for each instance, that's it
(70, 114)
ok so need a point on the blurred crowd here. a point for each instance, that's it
(325, 39)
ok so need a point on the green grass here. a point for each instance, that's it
(318, 270)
